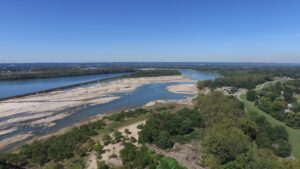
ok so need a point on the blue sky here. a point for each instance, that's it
(150, 30)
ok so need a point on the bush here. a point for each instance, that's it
(164, 140)
(251, 95)
(284, 148)
(279, 132)
(117, 136)
(106, 139)
(141, 157)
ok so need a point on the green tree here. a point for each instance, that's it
(251, 95)
(283, 148)
(227, 143)
(279, 132)
(185, 126)
(163, 141)
(258, 159)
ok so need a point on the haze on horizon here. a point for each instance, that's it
(150, 30)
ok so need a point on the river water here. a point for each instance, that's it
(137, 98)
(17, 87)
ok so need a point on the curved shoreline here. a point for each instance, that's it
(75, 104)
(45, 112)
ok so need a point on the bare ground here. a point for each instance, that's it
(187, 155)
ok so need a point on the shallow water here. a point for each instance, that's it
(136, 98)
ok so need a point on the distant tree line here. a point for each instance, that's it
(62, 72)
(272, 71)
(237, 79)
(155, 73)
(50, 73)
(246, 77)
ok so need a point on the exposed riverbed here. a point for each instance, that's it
(23, 118)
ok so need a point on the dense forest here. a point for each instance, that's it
(48, 73)
(160, 128)
(236, 139)
(239, 79)
(154, 73)
(246, 77)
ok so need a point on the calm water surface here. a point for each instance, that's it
(137, 98)
(17, 87)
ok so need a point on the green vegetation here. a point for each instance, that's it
(61, 72)
(69, 149)
(168, 163)
(161, 127)
(246, 77)
(155, 72)
(238, 70)
(294, 134)
(237, 78)
(55, 148)
(235, 139)
(230, 137)
(127, 114)
(251, 95)
(141, 157)
(279, 100)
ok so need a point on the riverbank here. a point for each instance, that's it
(183, 88)
(43, 110)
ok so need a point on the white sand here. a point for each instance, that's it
(91, 162)
(133, 129)
(186, 101)
(110, 150)
(14, 139)
(41, 109)
(116, 148)
(2, 132)
(48, 121)
(183, 88)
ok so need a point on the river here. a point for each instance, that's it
(19, 87)
(136, 98)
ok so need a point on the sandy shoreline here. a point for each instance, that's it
(183, 88)
(44, 109)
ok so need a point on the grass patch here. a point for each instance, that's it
(266, 84)
(166, 162)
(294, 134)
